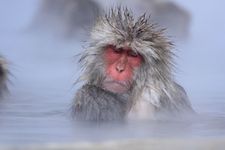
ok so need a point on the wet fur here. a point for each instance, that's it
(153, 81)
(3, 76)
(95, 104)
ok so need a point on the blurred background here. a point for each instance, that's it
(41, 38)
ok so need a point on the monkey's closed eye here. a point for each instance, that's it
(118, 50)
(133, 54)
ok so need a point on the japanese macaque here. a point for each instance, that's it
(3, 75)
(127, 69)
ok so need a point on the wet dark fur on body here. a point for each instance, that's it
(95, 104)
(153, 82)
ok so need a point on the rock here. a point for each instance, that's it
(65, 17)
(167, 14)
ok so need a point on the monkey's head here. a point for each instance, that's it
(126, 54)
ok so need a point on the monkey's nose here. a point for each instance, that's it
(121, 64)
(120, 68)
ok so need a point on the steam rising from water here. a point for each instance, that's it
(44, 68)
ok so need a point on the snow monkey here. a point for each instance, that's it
(127, 69)
(3, 76)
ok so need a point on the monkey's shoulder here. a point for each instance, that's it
(175, 100)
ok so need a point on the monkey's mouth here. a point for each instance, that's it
(116, 86)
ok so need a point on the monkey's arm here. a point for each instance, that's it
(95, 104)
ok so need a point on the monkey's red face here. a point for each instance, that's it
(120, 66)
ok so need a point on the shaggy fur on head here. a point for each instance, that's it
(119, 28)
